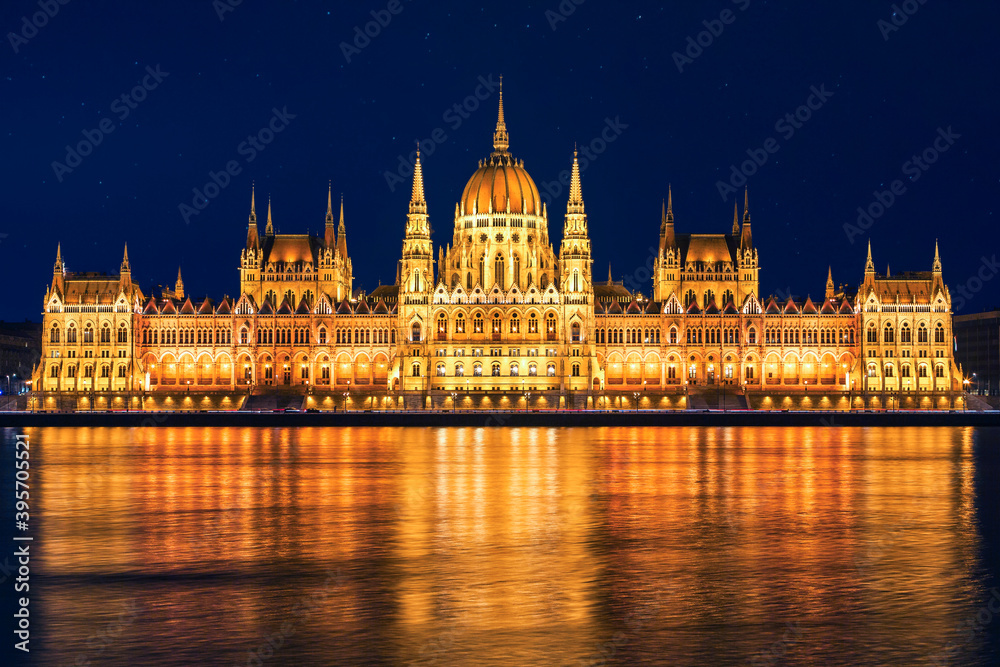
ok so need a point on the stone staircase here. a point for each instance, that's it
(713, 398)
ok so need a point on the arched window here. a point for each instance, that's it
(441, 370)
(460, 323)
(673, 335)
(551, 370)
(889, 336)
(872, 334)
(576, 281)
(576, 370)
(532, 324)
(243, 336)
(498, 267)
(477, 323)
(477, 370)
(88, 334)
(517, 269)
(709, 297)
(922, 370)
(532, 370)
(515, 369)
(922, 335)
(442, 326)
(939, 333)
(496, 370)
(322, 336)
(905, 335)
(71, 333)
(415, 369)
(550, 326)
(575, 332)
(752, 336)
(105, 371)
(689, 298)
(872, 370)
(482, 270)
(515, 324)
(888, 370)
(496, 325)
(106, 333)
(727, 296)
(54, 334)
(459, 370)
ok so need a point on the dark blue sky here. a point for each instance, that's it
(891, 92)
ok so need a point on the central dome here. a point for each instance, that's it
(501, 182)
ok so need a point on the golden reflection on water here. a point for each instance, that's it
(517, 546)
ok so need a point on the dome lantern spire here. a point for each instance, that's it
(501, 140)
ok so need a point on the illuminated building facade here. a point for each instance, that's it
(502, 318)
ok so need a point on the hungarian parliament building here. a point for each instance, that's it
(504, 320)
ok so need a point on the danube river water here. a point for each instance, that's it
(489, 546)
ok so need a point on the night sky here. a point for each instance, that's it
(683, 114)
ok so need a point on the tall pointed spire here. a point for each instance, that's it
(869, 264)
(125, 273)
(179, 285)
(736, 220)
(329, 231)
(609, 273)
(667, 221)
(269, 230)
(746, 237)
(831, 290)
(252, 239)
(342, 232)
(575, 204)
(418, 204)
(58, 269)
(501, 140)
(937, 259)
